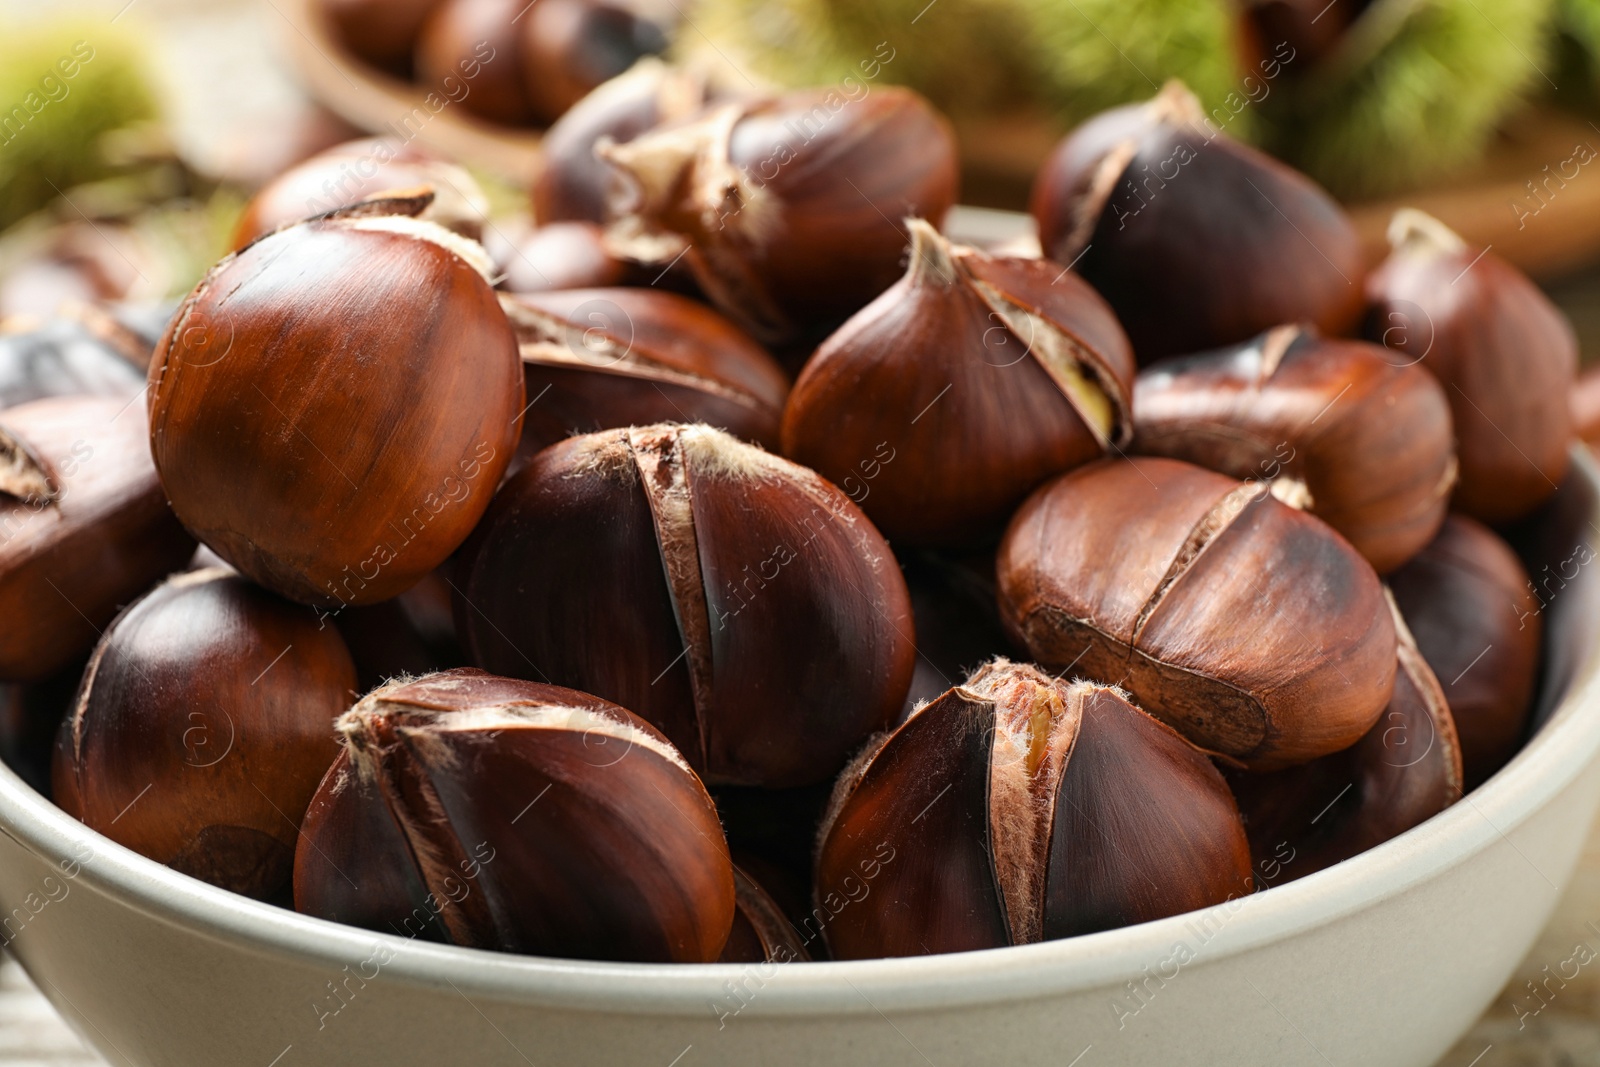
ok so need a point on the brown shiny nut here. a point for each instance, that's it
(1197, 241)
(1250, 627)
(1018, 808)
(761, 932)
(945, 401)
(1406, 770)
(355, 171)
(84, 527)
(573, 183)
(1504, 353)
(570, 47)
(470, 52)
(520, 817)
(604, 359)
(1477, 620)
(736, 601)
(319, 427)
(787, 233)
(202, 727)
(1348, 431)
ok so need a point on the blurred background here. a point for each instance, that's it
(123, 180)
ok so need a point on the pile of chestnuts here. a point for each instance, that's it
(736, 567)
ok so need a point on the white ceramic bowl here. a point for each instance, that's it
(1383, 960)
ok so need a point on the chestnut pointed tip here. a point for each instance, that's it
(1415, 232)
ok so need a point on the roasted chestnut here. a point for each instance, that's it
(1343, 429)
(570, 47)
(84, 352)
(961, 388)
(1476, 617)
(1197, 241)
(1019, 808)
(84, 527)
(1406, 770)
(1252, 628)
(202, 727)
(738, 602)
(382, 32)
(785, 209)
(575, 184)
(1505, 354)
(761, 931)
(515, 816)
(562, 255)
(321, 428)
(355, 171)
(602, 359)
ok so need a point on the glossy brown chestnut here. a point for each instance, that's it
(382, 32)
(84, 527)
(202, 727)
(785, 209)
(1250, 627)
(356, 170)
(1019, 808)
(562, 255)
(603, 359)
(570, 47)
(469, 53)
(1343, 429)
(761, 931)
(520, 817)
(1477, 620)
(322, 429)
(961, 388)
(1406, 770)
(1504, 353)
(1196, 240)
(575, 184)
(738, 601)
(82, 352)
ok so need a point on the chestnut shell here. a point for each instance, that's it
(1252, 628)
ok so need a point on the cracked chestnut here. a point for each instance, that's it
(321, 428)
(602, 359)
(1019, 808)
(1252, 628)
(945, 401)
(1505, 354)
(784, 209)
(201, 729)
(736, 601)
(1343, 429)
(516, 816)
(1197, 241)
(84, 527)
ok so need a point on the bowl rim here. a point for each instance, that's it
(1552, 760)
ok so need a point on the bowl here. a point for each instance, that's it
(1382, 960)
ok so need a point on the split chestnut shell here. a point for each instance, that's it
(1252, 628)
(515, 816)
(1346, 430)
(1017, 808)
(1196, 240)
(941, 404)
(734, 600)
